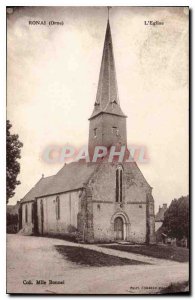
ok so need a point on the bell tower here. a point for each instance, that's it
(107, 125)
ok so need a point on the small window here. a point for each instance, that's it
(95, 132)
(115, 131)
(57, 208)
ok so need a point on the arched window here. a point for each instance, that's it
(119, 183)
(26, 213)
(57, 207)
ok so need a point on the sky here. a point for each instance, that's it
(52, 78)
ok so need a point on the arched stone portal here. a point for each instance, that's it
(120, 223)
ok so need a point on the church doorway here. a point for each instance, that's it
(119, 229)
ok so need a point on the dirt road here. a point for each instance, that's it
(35, 259)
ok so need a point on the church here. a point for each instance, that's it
(95, 202)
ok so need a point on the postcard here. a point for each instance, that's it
(98, 150)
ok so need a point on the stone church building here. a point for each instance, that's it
(95, 202)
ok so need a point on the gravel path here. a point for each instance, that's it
(35, 258)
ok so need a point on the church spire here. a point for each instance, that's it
(107, 100)
(107, 125)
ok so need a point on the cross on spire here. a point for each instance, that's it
(109, 7)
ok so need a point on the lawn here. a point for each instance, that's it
(87, 257)
(159, 251)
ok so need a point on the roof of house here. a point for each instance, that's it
(37, 189)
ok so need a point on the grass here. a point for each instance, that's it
(88, 257)
(173, 288)
(158, 251)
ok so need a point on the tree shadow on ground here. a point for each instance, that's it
(88, 257)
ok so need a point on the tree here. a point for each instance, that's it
(176, 219)
(13, 147)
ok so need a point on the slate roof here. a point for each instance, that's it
(107, 100)
(71, 177)
(37, 189)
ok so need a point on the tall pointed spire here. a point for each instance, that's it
(107, 100)
(107, 125)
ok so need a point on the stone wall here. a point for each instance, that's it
(91, 211)
(105, 135)
(104, 208)
(151, 238)
(69, 208)
(85, 216)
